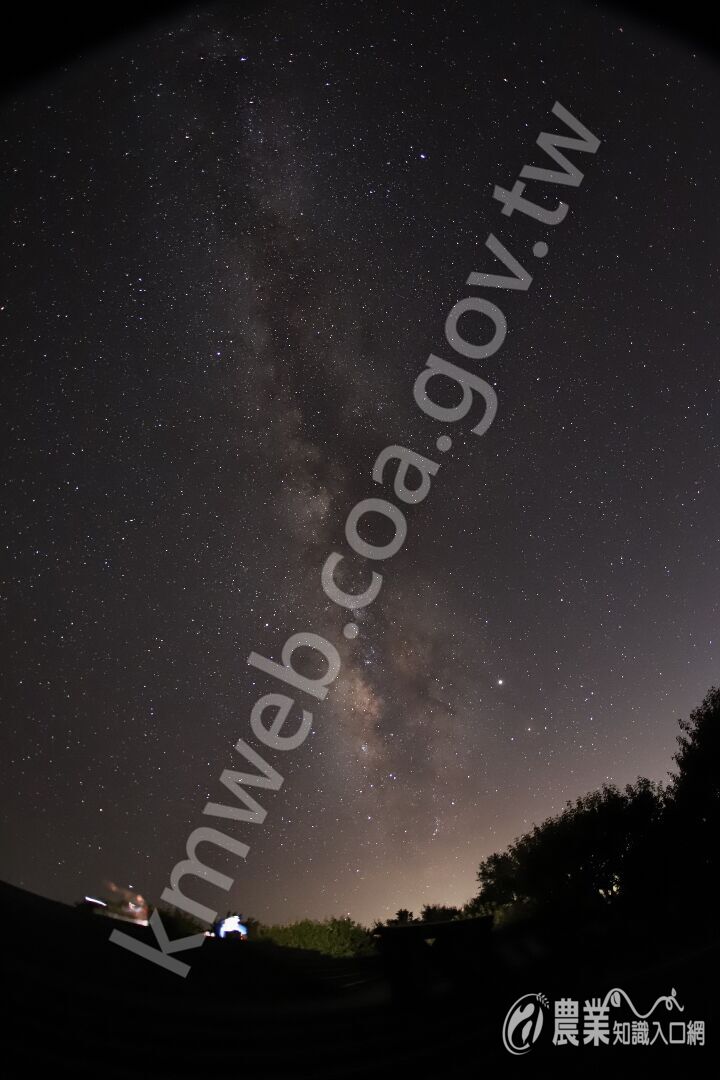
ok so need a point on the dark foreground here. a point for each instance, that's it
(78, 1005)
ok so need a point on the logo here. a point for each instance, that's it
(524, 1022)
(609, 1021)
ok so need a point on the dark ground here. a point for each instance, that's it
(77, 1004)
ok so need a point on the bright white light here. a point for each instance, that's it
(93, 900)
(231, 925)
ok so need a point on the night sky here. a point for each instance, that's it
(230, 243)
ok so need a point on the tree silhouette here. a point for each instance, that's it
(580, 859)
(647, 848)
(439, 913)
(693, 817)
(696, 783)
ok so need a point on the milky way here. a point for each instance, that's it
(230, 244)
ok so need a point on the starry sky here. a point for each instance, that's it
(230, 242)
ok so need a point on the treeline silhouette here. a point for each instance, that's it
(618, 890)
(645, 852)
(648, 847)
